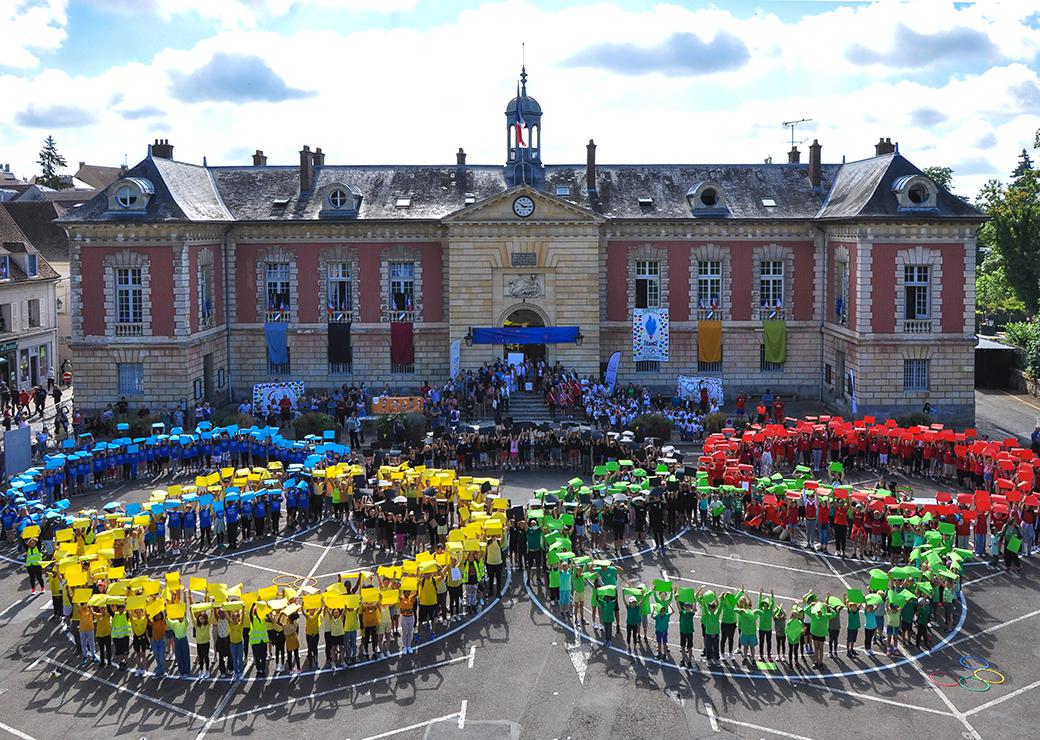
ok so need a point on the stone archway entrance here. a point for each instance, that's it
(525, 317)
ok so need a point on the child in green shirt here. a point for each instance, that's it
(793, 632)
(686, 615)
(662, 615)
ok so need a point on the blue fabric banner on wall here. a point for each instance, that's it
(526, 335)
(277, 335)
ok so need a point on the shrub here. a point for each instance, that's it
(652, 425)
(714, 423)
(313, 423)
(229, 414)
(414, 427)
(917, 418)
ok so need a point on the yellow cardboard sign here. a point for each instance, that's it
(267, 593)
(369, 595)
(352, 601)
(82, 595)
(334, 601)
(390, 598)
(176, 611)
(197, 584)
(63, 535)
(154, 607)
(75, 577)
(141, 520)
(133, 603)
(174, 491)
(115, 573)
(33, 530)
(312, 601)
(411, 583)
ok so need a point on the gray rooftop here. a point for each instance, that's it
(191, 192)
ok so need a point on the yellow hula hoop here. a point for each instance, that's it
(283, 580)
(299, 583)
(989, 670)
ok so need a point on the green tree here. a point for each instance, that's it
(1015, 224)
(993, 292)
(50, 162)
(941, 176)
(1025, 164)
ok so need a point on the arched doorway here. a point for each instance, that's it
(525, 317)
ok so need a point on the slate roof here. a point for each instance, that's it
(37, 221)
(14, 241)
(272, 193)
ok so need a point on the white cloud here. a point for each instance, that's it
(408, 96)
(29, 27)
(246, 13)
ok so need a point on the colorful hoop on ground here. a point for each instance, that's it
(299, 583)
(287, 580)
(985, 685)
(932, 677)
(989, 670)
(966, 658)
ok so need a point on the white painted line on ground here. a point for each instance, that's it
(34, 663)
(868, 697)
(472, 655)
(760, 728)
(711, 718)
(325, 552)
(462, 714)
(1002, 699)
(579, 654)
(960, 716)
(126, 690)
(316, 694)
(390, 733)
(221, 706)
(237, 552)
(744, 561)
(23, 600)
(984, 578)
(723, 585)
(832, 569)
(989, 630)
(15, 732)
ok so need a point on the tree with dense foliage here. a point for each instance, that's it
(941, 176)
(50, 162)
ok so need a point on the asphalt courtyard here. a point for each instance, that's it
(516, 670)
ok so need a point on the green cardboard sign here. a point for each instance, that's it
(855, 596)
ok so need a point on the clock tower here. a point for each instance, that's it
(524, 138)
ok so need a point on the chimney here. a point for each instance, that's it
(815, 166)
(306, 169)
(884, 146)
(460, 170)
(590, 166)
(163, 149)
(259, 158)
(319, 157)
(82, 164)
(794, 156)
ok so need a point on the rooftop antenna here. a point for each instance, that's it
(791, 125)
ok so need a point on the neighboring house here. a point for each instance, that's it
(37, 220)
(97, 176)
(192, 282)
(28, 327)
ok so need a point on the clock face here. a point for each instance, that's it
(523, 206)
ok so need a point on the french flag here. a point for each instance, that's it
(521, 124)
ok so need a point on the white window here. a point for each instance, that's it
(916, 285)
(915, 375)
(771, 284)
(338, 198)
(648, 284)
(709, 284)
(841, 292)
(339, 297)
(402, 286)
(278, 292)
(129, 295)
(32, 313)
(131, 378)
(126, 196)
(206, 294)
(32, 265)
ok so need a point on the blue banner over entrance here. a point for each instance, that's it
(526, 335)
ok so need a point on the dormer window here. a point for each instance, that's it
(403, 203)
(126, 196)
(32, 265)
(563, 190)
(341, 201)
(706, 199)
(915, 192)
(130, 195)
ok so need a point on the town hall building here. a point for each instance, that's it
(848, 283)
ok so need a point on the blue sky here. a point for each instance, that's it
(412, 80)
